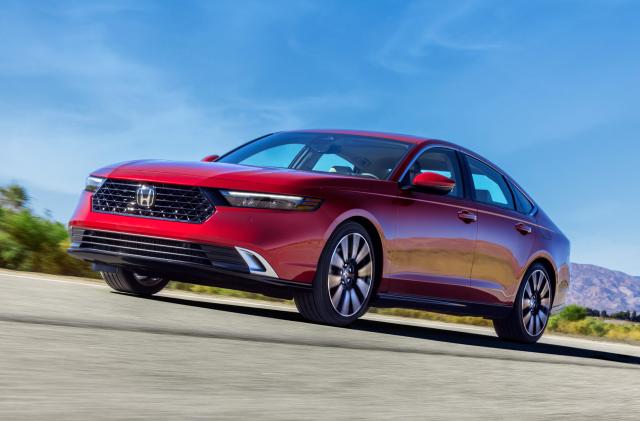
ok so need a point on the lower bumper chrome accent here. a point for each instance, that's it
(257, 264)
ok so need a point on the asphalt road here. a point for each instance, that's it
(74, 350)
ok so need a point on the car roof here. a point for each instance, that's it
(416, 140)
(407, 138)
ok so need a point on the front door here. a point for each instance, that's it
(432, 252)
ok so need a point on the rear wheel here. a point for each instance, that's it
(531, 311)
(128, 281)
(344, 279)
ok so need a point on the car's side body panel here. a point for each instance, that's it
(501, 255)
(432, 251)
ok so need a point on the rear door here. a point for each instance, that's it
(433, 250)
(506, 235)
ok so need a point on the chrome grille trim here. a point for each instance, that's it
(143, 246)
(120, 246)
(142, 243)
(133, 245)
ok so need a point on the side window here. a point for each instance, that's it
(488, 185)
(333, 163)
(438, 160)
(278, 156)
(523, 204)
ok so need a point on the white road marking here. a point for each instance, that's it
(46, 278)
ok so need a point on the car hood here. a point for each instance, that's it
(230, 176)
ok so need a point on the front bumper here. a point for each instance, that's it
(291, 242)
(203, 264)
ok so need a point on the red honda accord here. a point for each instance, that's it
(338, 220)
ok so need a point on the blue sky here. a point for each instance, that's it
(550, 91)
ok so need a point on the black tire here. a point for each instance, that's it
(127, 281)
(317, 305)
(512, 328)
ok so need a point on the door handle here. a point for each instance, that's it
(467, 217)
(523, 229)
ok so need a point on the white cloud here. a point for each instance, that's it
(424, 28)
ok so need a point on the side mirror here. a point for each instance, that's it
(210, 158)
(434, 182)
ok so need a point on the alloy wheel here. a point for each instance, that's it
(350, 274)
(536, 303)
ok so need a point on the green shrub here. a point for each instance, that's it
(573, 313)
(32, 243)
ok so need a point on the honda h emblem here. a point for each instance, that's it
(146, 196)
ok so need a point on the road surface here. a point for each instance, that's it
(74, 350)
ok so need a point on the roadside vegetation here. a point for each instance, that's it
(29, 242)
(573, 320)
(33, 243)
(202, 289)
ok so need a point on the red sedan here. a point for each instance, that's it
(337, 220)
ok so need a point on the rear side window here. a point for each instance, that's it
(523, 204)
(489, 186)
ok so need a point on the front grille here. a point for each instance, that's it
(144, 246)
(172, 202)
(159, 248)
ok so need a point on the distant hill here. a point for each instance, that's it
(603, 289)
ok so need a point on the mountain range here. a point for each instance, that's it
(603, 289)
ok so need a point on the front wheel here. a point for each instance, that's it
(528, 318)
(127, 281)
(344, 279)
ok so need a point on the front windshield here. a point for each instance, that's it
(322, 152)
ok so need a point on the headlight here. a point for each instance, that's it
(93, 183)
(270, 201)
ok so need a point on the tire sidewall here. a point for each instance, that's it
(123, 280)
(518, 304)
(320, 284)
